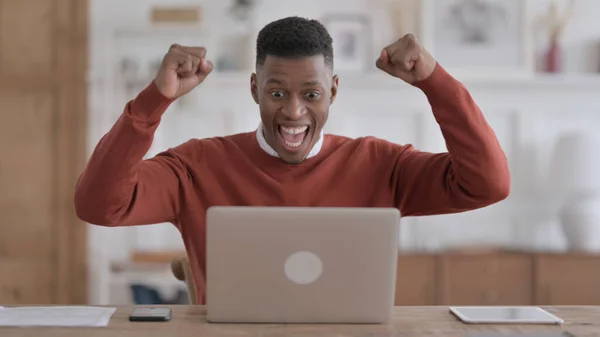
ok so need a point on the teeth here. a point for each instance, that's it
(296, 144)
(294, 131)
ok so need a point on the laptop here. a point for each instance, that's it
(301, 264)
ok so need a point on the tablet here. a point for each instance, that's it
(522, 334)
(497, 314)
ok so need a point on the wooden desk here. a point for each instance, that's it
(407, 321)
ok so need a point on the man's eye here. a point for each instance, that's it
(313, 95)
(277, 94)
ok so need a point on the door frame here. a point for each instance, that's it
(71, 116)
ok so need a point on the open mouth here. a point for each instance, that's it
(293, 137)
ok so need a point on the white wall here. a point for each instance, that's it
(527, 117)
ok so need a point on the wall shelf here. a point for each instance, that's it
(380, 81)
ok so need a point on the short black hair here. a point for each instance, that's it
(294, 37)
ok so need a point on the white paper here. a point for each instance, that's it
(75, 316)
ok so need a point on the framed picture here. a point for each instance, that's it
(479, 38)
(351, 36)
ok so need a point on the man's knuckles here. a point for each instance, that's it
(182, 61)
(410, 37)
(196, 51)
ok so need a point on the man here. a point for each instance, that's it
(288, 161)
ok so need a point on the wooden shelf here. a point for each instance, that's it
(155, 257)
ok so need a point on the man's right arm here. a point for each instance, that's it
(118, 187)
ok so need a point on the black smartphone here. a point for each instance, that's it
(150, 315)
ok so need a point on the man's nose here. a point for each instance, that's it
(294, 109)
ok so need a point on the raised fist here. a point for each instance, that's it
(407, 60)
(181, 70)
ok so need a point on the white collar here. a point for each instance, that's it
(262, 142)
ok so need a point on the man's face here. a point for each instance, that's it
(294, 96)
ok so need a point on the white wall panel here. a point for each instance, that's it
(527, 116)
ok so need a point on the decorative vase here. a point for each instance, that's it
(553, 59)
(580, 219)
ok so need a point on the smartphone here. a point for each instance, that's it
(150, 315)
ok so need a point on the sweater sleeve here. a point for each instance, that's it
(473, 174)
(118, 187)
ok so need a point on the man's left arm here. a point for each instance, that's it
(474, 172)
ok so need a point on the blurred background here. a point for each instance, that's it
(67, 68)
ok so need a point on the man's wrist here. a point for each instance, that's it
(439, 84)
(150, 104)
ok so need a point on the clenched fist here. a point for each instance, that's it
(407, 60)
(181, 70)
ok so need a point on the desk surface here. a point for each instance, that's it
(580, 321)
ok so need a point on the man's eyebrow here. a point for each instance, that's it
(311, 83)
(275, 81)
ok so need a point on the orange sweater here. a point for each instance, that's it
(119, 188)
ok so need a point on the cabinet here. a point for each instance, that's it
(498, 278)
(416, 280)
(567, 279)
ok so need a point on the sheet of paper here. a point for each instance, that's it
(75, 316)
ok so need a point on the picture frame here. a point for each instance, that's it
(495, 41)
(352, 41)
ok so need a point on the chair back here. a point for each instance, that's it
(180, 266)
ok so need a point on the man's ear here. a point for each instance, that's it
(334, 88)
(254, 87)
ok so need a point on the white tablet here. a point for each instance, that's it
(522, 334)
(497, 314)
